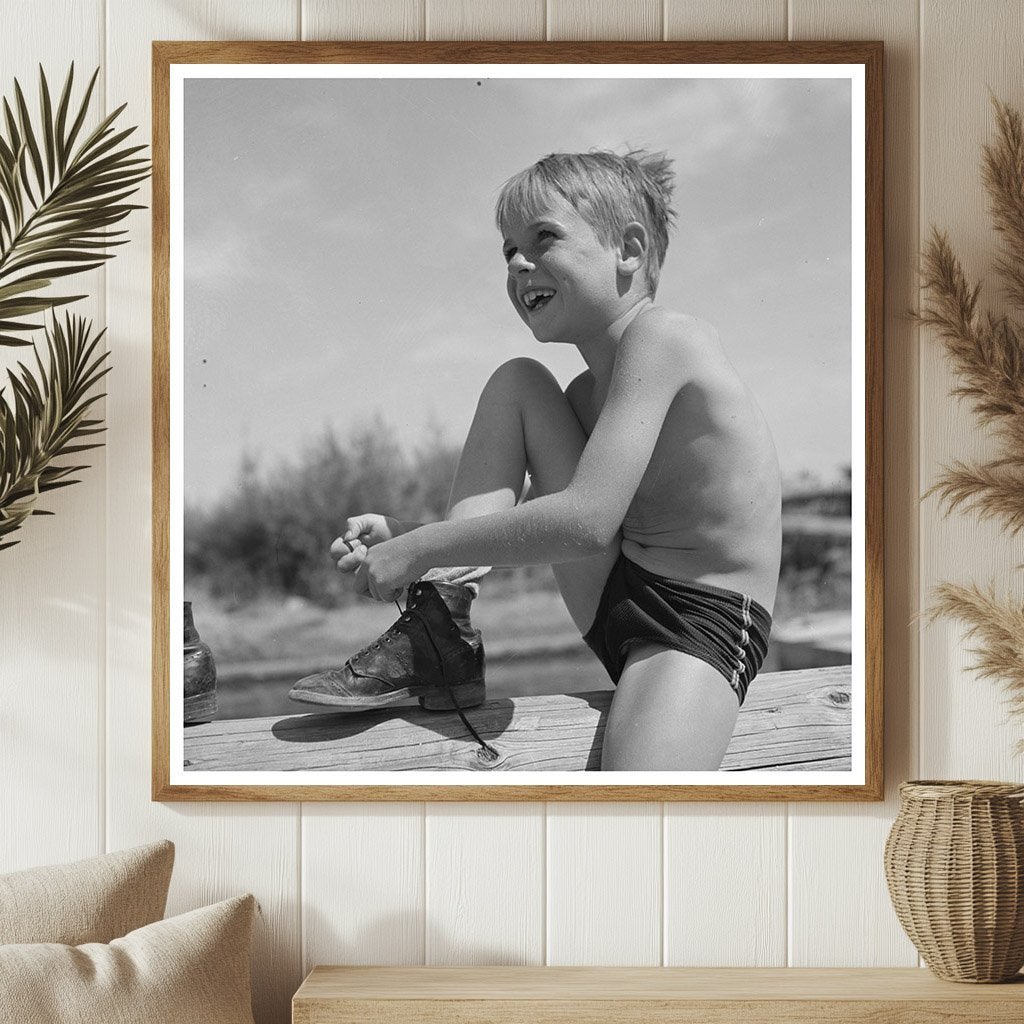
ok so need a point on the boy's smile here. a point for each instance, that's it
(564, 281)
(535, 298)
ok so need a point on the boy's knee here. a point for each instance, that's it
(522, 374)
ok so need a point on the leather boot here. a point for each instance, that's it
(200, 675)
(432, 652)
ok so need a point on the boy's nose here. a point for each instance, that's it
(519, 263)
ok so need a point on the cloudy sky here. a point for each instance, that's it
(341, 258)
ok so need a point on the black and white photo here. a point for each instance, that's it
(517, 430)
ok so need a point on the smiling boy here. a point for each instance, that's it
(654, 485)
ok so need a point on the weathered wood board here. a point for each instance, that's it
(793, 721)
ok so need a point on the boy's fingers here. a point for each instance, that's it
(355, 526)
(350, 563)
(342, 547)
(348, 553)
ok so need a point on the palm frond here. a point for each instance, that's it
(46, 420)
(60, 199)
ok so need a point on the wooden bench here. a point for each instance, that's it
(793, 721)
(647, 995)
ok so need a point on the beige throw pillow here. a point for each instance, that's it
(190, 969)
(92, 900)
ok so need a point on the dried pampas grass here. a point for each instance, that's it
(987, 354)
(997, 629)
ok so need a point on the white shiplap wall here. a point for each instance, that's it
(745, 884)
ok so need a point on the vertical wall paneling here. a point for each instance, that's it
(51, 582)
(363, 864)
(362, 884)
(385, 19)
(221, 849)
(604, 883)
(727, 19)
(964, 726)
(485, 883)
(725, 885)
(725, 865)
(597, 19)
(485, 19)
(836, 851)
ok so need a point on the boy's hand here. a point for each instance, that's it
(362, 532)
(385, 571)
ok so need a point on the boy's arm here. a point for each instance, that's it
(585, 518)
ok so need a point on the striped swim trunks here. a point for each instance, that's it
(726, 629)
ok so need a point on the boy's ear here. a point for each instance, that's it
(633, 249)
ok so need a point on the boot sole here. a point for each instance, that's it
(469, 695)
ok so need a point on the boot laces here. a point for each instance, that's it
(386, 637)
(486, 749)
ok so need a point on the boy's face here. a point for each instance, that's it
(562, 279)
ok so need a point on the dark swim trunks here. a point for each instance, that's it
(726, 629)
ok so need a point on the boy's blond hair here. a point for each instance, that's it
(605, 189)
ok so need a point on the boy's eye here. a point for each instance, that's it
(509, 253)
(545, 233)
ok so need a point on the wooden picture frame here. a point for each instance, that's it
(807, 714)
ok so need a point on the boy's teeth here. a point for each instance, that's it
(533, 298)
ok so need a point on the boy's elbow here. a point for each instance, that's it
(587, 526)
(596, 534)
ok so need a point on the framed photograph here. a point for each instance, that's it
(517, 421)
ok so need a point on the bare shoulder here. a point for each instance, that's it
(667, 329)
(661, 344)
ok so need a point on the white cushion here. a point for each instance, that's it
(92, 900)
(190, 969)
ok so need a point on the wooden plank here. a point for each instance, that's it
(51, 582)
(605, 884)
(485, 883)
(831, 835)
(791, 720)
(726, 19)
(607, 983)
(220, 850)
(333, 995)
(808, 1011)
(595, 20)
(363, 884)
(484, 19)
(532, 733)
(385, 19)
(965, 731)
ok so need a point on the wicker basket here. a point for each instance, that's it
(954, 861)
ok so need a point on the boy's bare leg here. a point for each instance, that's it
(524, 423)
(670, 712)
(523, 420)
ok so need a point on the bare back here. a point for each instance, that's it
(708, 507)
